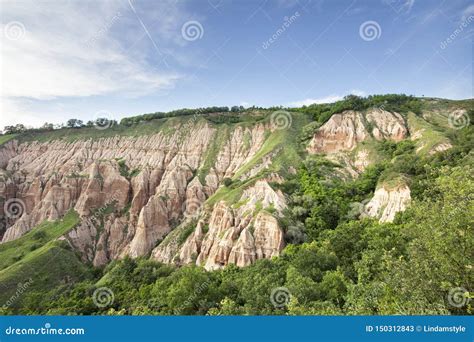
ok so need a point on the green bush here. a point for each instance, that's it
(227, 182)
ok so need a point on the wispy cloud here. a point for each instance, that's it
(56, 56)
(78, 49)
(468, 11)
(325, 99)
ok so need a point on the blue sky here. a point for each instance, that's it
(63, 59)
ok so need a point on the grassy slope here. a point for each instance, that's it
(286, 142)
(46, 267)
(6, 138)
(229, 194)
(15, 250)
(288, 153)
(436, 111)
(220, 136)
(370, 146)
(430, 134)
(72, 134)
(46, 260)
(441, 106)
(165, 125)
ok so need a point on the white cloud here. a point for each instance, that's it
(76, 49)
(468, 11)
(310, 101)
(326, 99)
(408, 5)
(26, 112)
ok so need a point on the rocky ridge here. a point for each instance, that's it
(159, 194)
(147, 182)
(237, 234)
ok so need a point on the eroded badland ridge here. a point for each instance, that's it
(205, 189)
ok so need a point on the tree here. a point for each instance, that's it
(47, 126)
(74, 123)
(440, 254)
(411, 267)
(235, 109)
(189, 290)
(354, 102)
(19, 128)
(9, 130)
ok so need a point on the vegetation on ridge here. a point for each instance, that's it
(359, 267)
(342, 265)
(337, 261)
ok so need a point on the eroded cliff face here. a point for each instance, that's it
(162, 195)
(238, 234)
(387, 201)
(129, 191)
(342, 132)
(348, 138)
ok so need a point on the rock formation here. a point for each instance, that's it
(387, 201)
(162, 194)
(129, 191)
(237, 234)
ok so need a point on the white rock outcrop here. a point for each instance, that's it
(387, 201)
(342, 132)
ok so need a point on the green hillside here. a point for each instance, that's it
(39, 259)
(6, 138)
(16, 250)
(337, 260)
